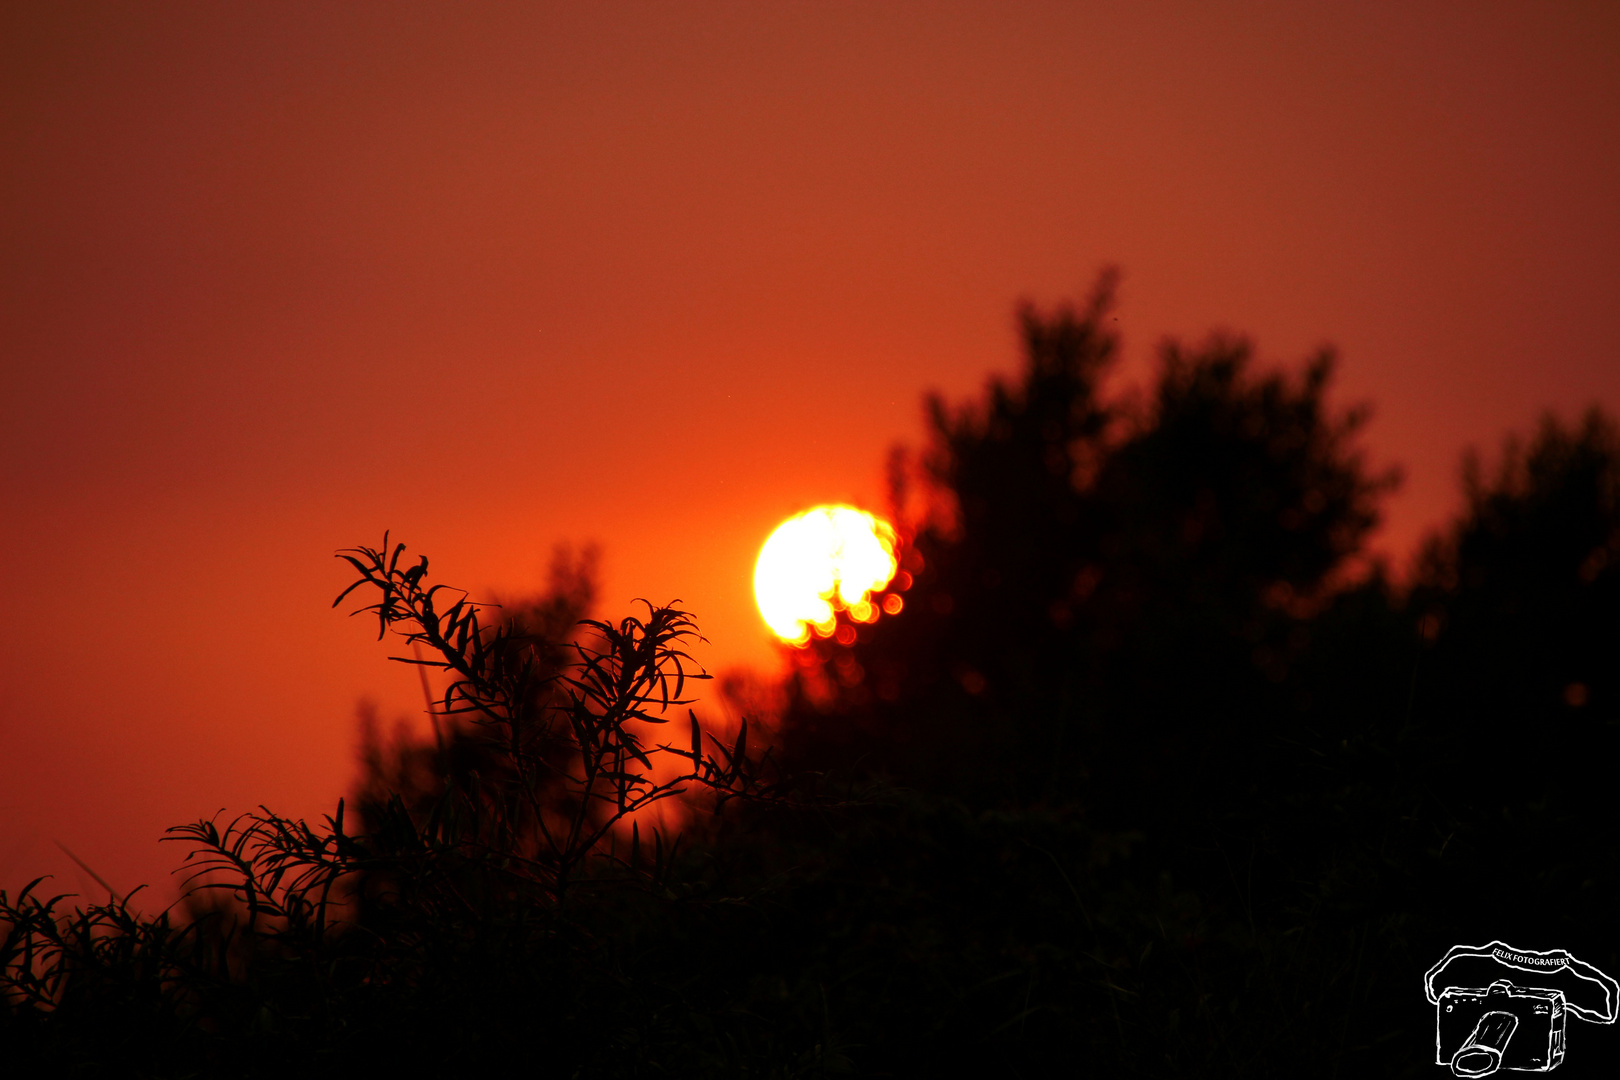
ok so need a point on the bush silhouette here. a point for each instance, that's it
(445, 930)
(418, 771)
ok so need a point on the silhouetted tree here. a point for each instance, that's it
(1524, 590)
(1114, 596)
(1518, 693)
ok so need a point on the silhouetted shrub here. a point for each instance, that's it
(449, 929)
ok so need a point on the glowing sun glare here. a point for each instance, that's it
(828, 553)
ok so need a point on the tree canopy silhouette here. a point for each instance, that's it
(1110, 592)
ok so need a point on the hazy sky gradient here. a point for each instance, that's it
(280, 276)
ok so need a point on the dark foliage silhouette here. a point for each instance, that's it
(1517, 689)
(446, 929)
(1154, 773)
(1285, 781)
(1108, 584)
(418, 771)
(1522, 591)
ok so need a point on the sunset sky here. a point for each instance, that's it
(277, 277)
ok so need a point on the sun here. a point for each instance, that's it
(826, 558)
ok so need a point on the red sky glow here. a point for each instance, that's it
(277, 277)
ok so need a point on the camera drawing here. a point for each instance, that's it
(1498, 1007)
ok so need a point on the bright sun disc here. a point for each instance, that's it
(825, 554)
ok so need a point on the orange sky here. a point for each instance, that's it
(279, 276)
